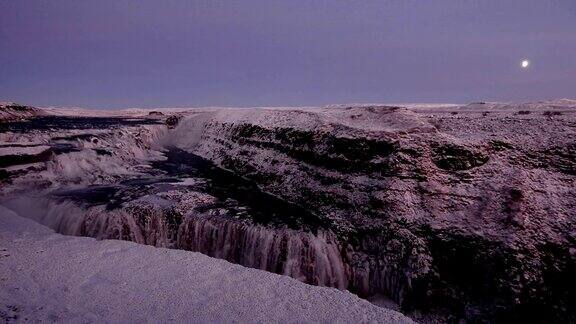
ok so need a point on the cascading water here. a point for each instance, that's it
(311, 258)
(257, 230)
(315, 259)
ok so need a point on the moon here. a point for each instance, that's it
(525, 64)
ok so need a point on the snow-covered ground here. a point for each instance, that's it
(48, 277)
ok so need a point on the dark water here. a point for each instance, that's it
(264, 208)
(63, 148)
(240, 196)
(67, 123)
(92, 195)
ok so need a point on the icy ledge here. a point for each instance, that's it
(49, 277)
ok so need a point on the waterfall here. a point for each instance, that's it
(314, 258)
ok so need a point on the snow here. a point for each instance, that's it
(50, 277)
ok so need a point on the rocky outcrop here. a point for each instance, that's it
(10, 111)
(173, 120)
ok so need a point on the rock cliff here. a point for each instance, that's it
(470, 208)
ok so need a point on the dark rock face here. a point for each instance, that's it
(454, 158)
(558, 158)
(173, 120)
(319, 148)
(17, 157)
(470, 215)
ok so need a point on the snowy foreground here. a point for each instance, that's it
(51, 277)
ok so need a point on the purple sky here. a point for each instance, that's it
(243, 53)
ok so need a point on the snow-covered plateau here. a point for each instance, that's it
(443, 212)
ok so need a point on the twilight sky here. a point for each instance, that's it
(147, 53)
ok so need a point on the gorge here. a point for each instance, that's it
(449, 211)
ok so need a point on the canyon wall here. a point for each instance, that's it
(468, 208)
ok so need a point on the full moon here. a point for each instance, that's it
(525, 64)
